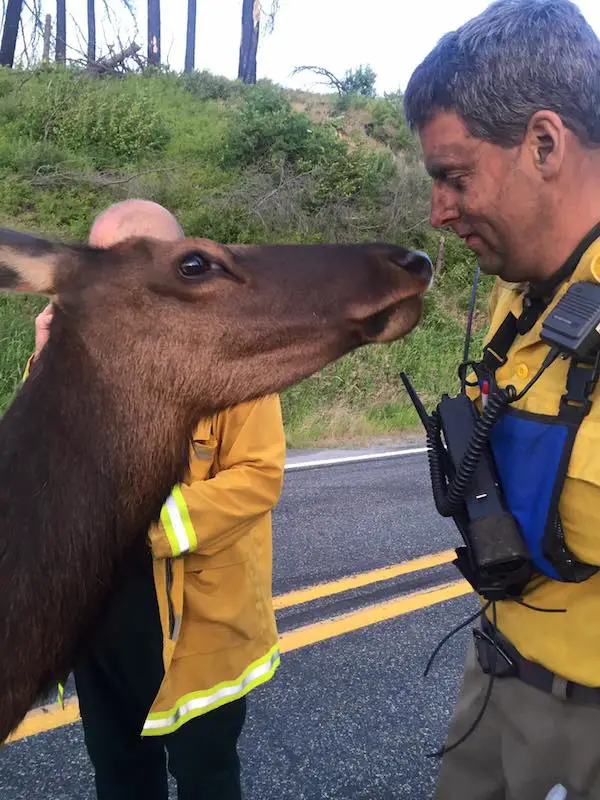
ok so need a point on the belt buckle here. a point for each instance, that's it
(485, 647)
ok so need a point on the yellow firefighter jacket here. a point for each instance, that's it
(213, 566)
(567, 643)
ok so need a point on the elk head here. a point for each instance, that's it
(207, 325)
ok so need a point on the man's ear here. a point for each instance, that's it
(546, 139)
(29, 263)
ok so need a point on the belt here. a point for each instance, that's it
(497, 655)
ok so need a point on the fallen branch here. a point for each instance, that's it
(439, 264)
(282, 184)
(101, 179)
(109, 64)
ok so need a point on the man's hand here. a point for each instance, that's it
(42, 329)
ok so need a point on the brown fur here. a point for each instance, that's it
(99, 433)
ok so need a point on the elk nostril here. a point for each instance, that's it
(417, 263)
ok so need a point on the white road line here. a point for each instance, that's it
(327, 462)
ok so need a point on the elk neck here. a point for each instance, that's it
(98, 451)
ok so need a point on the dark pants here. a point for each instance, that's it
(117, 680)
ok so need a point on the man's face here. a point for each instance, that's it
(490, 196)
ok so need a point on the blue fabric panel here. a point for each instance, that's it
(527, 453)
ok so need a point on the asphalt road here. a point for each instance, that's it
(334, 521)
(349, 718)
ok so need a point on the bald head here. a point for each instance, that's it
(134, 218)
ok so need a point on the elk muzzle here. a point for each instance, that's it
(410, 273)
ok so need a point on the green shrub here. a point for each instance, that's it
(357, 176)
(204, 85)
(74, 113)
(360, 81)
(267, 129)
(387, 124)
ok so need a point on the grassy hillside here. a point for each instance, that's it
(237, 164)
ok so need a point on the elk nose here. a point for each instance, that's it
(418, 264)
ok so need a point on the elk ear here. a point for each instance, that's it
(29, 263)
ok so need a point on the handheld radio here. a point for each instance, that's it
(465, 483)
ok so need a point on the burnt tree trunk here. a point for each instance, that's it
(10, 32)
(47, 38)
(190, 47)
(91, 17)
(249, 43)
(60, 54)
(154, 33)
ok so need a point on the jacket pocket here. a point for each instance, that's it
(221, 609)
(203, 453)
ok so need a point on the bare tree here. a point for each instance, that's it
(190, 48)
(249, 44)
(358, 81)
(331, 79)
(32, 30)
(47, 38)
(91, 19)
(154, 33)
(10, 32)
(60, 53)
(252, 12)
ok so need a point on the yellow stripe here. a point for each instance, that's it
(187, 708)
(215, 689)
(185, 517)
(52, 716)
(168, 528)
(46, 718)
(319, 590)
(319, 631)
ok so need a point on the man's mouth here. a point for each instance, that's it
(472, 240)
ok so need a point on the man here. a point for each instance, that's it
(508, 113)
(191, 629)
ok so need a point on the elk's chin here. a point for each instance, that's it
(394, 322)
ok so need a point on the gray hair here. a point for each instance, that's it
(517, 57)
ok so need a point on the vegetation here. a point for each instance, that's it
(238, 163)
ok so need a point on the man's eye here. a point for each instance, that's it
(457, 182)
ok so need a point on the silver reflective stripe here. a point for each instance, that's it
(176, 627)
(178, 526)
(204, 701)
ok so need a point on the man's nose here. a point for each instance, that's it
(443, 210)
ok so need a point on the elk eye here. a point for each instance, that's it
(195, 265)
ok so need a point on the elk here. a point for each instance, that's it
(149, 337)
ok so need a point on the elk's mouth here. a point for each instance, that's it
(394, 322)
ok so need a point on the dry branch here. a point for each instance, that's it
(51, 176)
(439, 264)
(110, 63)
(325, 73)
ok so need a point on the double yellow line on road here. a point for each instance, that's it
(52, 716)
(346, 584)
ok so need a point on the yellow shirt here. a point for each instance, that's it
(569, 643)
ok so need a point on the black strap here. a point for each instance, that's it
(496, 350)
(582, 379)
(529, 672)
